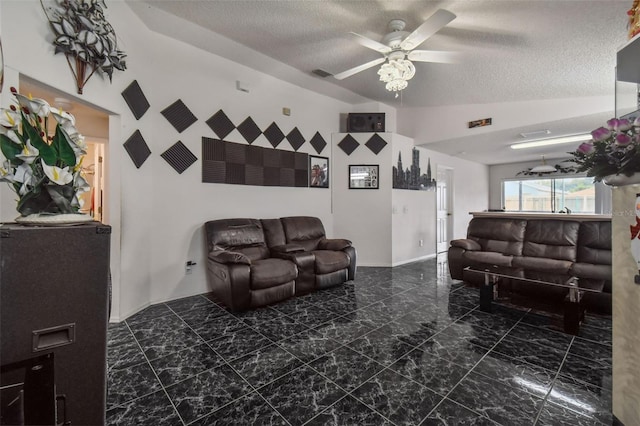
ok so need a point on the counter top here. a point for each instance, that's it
(534, 215)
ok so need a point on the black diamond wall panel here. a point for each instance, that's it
(220, 124)
(179, 115)
(376, 144)
(295, 138)
(179, 157)
(249, 130)
(348, 144)
(317, 142)
(135, 98)
(273, 134)
(137, 148)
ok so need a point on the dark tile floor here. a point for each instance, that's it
(397, 346)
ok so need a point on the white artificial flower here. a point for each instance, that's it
(29, 153)
(80, 183)
(23, 174)
(56, 174)
(6, 173)
(9, 119)
(36, 106)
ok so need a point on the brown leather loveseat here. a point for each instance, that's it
(552, 246)
(254, 262)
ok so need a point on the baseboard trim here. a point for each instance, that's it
(417, 259)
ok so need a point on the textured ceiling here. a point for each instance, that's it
(510, 51)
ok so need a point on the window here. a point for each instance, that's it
(549, 195)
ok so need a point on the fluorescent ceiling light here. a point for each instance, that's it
(552, 141)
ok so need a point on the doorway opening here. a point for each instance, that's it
(444, 208)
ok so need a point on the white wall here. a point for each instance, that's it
(363, 215)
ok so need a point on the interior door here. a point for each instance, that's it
(444, 212)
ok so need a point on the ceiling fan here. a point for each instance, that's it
(397, 50)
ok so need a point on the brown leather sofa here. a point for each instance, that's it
(577, 248)
(253, 262)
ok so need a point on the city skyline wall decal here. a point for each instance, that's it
(411, 177)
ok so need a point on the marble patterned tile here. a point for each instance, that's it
(161, 325)
(450, 413)
(469, 332)
(599, 321)
(201, 314)
(149, 313)
(309, 345)
(265, 365)
(126, 354)
(239, 343)
(516, 373)
(454, 311)
(382, 345)
(130, 383)
(349, 411)
(207, 392)
(588, 400)
(151, 410)
(596, 334)
(415, 331)
(533, 353)
(312, 315)
(117, 332)
(343, 329)
(280, 328)
(301, 394)
(468, 297)
(340, 305)
(188, 303)
(218, 327)
(184, 364)
(342, 290)
(488, 320)
(438, 374)
(592, 350)
(249, 410)
(541, 336)
(555, 415)
(496, 401)
(319, 297)
(379, 313)
(346, 367)
(168, 343)
(402, 401)
(292, 305)
(587, 371)
(449, 347)
(259, 315)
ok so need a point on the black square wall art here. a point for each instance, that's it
(376, 144)
(317, 142)
(348, 144)
(135, 98)
(179, 157)
(249, 130)
(137, 148)
(295, 138)
(273, 134)
(220, 124)
(179, 116)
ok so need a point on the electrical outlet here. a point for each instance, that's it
(188, 267)
(420, 243)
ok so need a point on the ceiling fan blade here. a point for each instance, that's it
(434, 56)
(355, 70)
(371, 44)
(428, 28)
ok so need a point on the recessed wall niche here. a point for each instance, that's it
(240, 164)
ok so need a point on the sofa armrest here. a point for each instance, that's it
(336, 244)
(287, 248)
(226, 256)
(466, 244)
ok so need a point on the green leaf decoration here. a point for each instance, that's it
(62, 195)
(47, 152)
(63, 148)
(9, 148)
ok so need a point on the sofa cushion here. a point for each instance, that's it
(267, 273)
(590, 270)
(498, 235)
(594, 242)
(487, 257)
(304, 230)
(551, 239)
(554, 266)
(330, 261)
(273, 232)
(240, 235)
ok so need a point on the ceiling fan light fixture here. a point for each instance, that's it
(396, 73)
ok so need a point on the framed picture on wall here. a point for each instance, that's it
(364, 176)
(318, 172)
